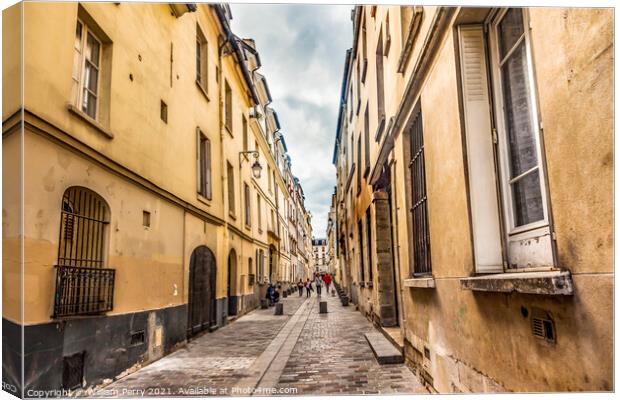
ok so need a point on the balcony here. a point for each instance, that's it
(83, 291)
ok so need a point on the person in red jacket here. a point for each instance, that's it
(327, 278)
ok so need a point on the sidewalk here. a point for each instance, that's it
(300, 353)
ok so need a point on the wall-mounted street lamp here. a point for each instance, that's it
(256, 167)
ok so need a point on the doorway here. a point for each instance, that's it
(231, 292)
(201, 304)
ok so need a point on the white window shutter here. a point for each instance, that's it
(480, 156)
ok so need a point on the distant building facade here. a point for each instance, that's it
(319, 253)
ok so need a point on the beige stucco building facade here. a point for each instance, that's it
(145, 222)
(474, 200)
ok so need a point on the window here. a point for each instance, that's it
(84, 221)
(230, 174)
(259, 212)
(410, 21)
(521, 170)
(366, 142)
(228, 107)
(246, 199)
(522, 208)
(351, 101)
(260, 265)
(202, 76)
(163, 111)
(360, 238)
(368, 244)
(359, 164)
(419, 201)
(244, 125)
(146, 219)
(269, 177)
(86, 70)
(519, 123)
(273, 221)
(380, 89)
(203, 156)
(364, 50)
(359, 89)
(388, 35)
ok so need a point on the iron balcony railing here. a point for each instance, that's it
(83, 291)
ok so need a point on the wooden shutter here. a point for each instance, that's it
(480, 151)
(198, 188)
(207, 171)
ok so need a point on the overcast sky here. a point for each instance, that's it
(302, 50)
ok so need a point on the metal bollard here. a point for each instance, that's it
(279, 309)
(333, 292)
(323, 307)
(345, 300)
(285, 294)
(264, 304)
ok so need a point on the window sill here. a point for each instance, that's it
(543, 283)
(203, 90)
(232, 215)
(203, 199)
(87, 118)
(229, 130)
(424, 283)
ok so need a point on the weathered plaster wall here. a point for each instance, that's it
(575, 81)
(148, 261)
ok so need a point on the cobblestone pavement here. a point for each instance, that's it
(215, 360)
(300, 353)
(332, 357)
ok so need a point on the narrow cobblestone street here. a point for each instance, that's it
(302, 352)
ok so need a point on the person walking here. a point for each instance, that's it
(300, 287)
(308, 287)
(327, 278)
(318, 282)
(269, 294)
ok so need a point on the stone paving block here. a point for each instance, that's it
(384, 351)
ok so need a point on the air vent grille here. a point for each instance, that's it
(137, 338)
(543, 326)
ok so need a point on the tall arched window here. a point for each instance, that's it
(83, 285)
(83, 224)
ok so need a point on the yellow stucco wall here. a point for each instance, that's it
(12, 59)
(11, 227)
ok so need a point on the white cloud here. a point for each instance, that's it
(302, 49)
